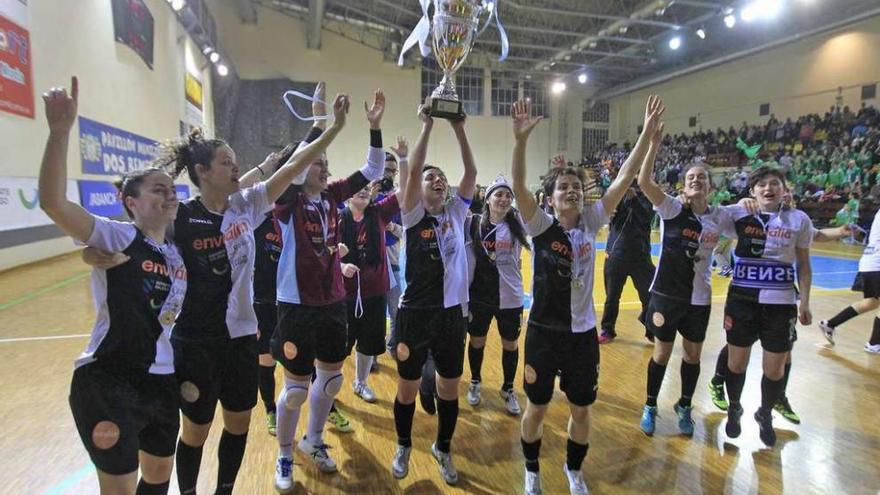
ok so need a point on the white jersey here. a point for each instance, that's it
(563, 265)
(870, 261)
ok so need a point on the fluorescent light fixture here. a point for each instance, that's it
(730, 20)
(214, 57)
(558, 87)
(701, 33)
(222, 70)
(675, 43)
(177, 4)
(582, 78)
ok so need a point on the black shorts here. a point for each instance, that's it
(306, 333)
(267, 318)
(868, 283)
(118, 415)
(666, 316)
(508, 321)
(368, 331)
(747, 321)
(574, 355)
(440, 331)
(226, 370)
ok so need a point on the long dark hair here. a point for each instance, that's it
(512, 221)
(349, 234)
(183, 154)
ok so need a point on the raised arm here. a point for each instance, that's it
(653, 113)
(469, 179)
(304, 156)
(646, 174)
(412, 194)
(271, 164)
(402, 150)
(60, 114)
(523, 124)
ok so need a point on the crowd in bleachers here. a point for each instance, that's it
(832, 161)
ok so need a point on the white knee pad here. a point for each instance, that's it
(295, 394)
(328, 382)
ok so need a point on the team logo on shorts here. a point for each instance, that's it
(728, 322)
(290, 350)
(189, 391)
(105, 434)
(402, 352)
(658, 319)
(530, 374)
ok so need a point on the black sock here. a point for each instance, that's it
(509, 360)
(771, 390)
(734, 383)
(230, 452)
(655, 381)
(875, 335)
(475, 359)
(188, 460)
(785, 379)
(447, 416)
(689, 375)
(267, 387)
(531, 452)
(145, 488)
(403, 420)
(720, 367)
(840, 318)
(574, 454)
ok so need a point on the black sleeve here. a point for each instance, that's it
(376, 138)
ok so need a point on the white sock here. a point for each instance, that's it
(287, 418)
(320, 402)
(362, 365)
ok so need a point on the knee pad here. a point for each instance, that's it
(330, 383)
(294, 395)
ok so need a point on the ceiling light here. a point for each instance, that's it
(207, 50)
(593, 44)
(675, 43)
(222, 70)
(730, 20)
(214, 57)
(623, 29)
(760, 9)
(701, 33)
(582, 78)
(177, 4)
(558, 87)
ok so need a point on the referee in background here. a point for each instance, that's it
(628, 254)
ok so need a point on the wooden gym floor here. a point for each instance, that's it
(48, 312)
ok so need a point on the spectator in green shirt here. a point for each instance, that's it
(836, 177)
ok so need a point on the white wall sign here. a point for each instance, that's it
(20, 204)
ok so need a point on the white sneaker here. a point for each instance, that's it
(284, 475)
(473, 393)
(873, 349)
(511, 403)
(363, 391)
(827, 331)
(533, 485)
(400, 462)
(318, 453)
(447, 468)
(576, 483)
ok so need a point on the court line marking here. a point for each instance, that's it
(70, 481)
(39, 292)
(53, 337)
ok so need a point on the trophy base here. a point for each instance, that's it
(446, 109)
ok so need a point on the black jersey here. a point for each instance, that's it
(494, 257)
(219, 250)
(266, 261)
(136, 301)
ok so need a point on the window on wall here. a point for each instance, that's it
(596, 112)
(593, 140)
(764, 109)
(536, 92)
(468, 84)
(869, 91)
(505, 91)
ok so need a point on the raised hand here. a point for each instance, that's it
(61, 107)
(653, 114)
(402, 147)
(375, 112)
(340, 109)
(523, 122)
(558, 161)
(424, 112)
(319, 107)
(657, 137)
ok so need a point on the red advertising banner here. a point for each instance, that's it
(16, 79)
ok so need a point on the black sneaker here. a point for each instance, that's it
(734, 413)
(428, 403)
(765, 421)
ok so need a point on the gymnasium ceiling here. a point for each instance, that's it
(620, 44)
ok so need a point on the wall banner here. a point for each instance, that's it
(20, 203)
(106, 150)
